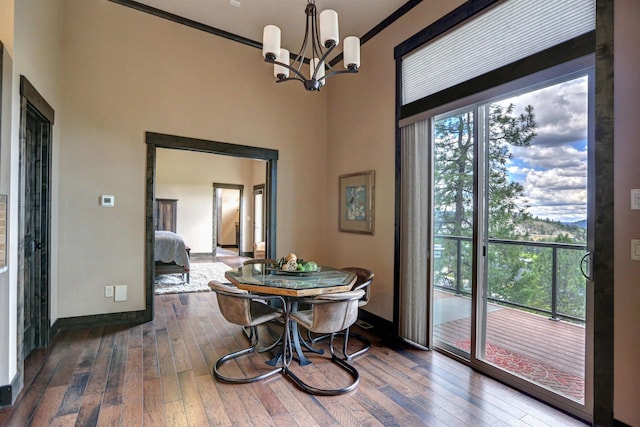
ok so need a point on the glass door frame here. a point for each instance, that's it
(479, 263)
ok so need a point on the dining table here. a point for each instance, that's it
(266, 279)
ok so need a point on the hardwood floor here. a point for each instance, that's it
(159, 373)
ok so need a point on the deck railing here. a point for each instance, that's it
(541, 277)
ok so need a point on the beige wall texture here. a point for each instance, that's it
(154, 75)
(627, 221)
(189, 177)
(112, 73)
(33, 51)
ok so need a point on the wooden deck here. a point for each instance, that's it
(159, 373)
(534, 345)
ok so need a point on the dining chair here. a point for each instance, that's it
(248, 310)
(364, 278)
(328, 314)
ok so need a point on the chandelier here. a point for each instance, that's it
(319, 41)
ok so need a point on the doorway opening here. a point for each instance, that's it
(155, 141)
(227, 213)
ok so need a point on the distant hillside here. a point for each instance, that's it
(582, 223)
(546, 230)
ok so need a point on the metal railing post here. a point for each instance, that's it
(554, 284)
(458, 266)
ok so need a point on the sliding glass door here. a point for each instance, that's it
(509, 234)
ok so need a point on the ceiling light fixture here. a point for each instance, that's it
(320, 37)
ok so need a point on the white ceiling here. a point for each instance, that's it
(356, 17)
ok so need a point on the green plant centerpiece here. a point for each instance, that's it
(292, 263)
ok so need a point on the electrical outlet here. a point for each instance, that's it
(121, 293)
(108, 291)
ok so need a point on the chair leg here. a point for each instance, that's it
(355, 375)
(365, 340)
(242, 380)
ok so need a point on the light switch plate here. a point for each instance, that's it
(635, 249)
(635, 198)
(121, 293)
(108, 291)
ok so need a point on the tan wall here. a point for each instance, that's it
(31, 50)
(361, 137)
(627, 221)
(6, 24)
(127, 72)
(8, 288)
(189, 177)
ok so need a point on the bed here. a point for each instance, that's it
(171, 254)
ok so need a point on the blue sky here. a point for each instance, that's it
(553, 169)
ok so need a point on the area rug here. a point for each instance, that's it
(547, 376)
(200, 276)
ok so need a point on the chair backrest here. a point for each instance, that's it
(364, 278)
(335, 312)
(234, 303)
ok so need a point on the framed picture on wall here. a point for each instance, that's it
(356, 206)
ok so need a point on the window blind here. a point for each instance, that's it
(503, 34)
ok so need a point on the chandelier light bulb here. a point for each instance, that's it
(351, 57)
(278, 70)
(329, 34)
(271, 42)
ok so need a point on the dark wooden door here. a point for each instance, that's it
(35, 157)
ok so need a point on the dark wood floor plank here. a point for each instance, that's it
(110, 416)
(74, 394)
(115, 380)
(49, 405)
(29, 401)
(90, 349)
(90, 409)
(150, 363)
(132, 406)
(153, 404)
(64, 421)
(67, 366)
(100, 371)
(288, 397)
(191, 400)
(174, 414)
(196, 358)
(212, 402)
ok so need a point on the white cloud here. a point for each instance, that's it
(560, 111)
(552, 170)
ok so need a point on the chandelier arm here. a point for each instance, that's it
(288, 79)
(333, 73)
(316, 47)
(321, 62)
(297, 72)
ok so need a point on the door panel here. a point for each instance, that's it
(453, 157)
(35, 162)
(535, 237)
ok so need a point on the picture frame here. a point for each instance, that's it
(357, 202)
